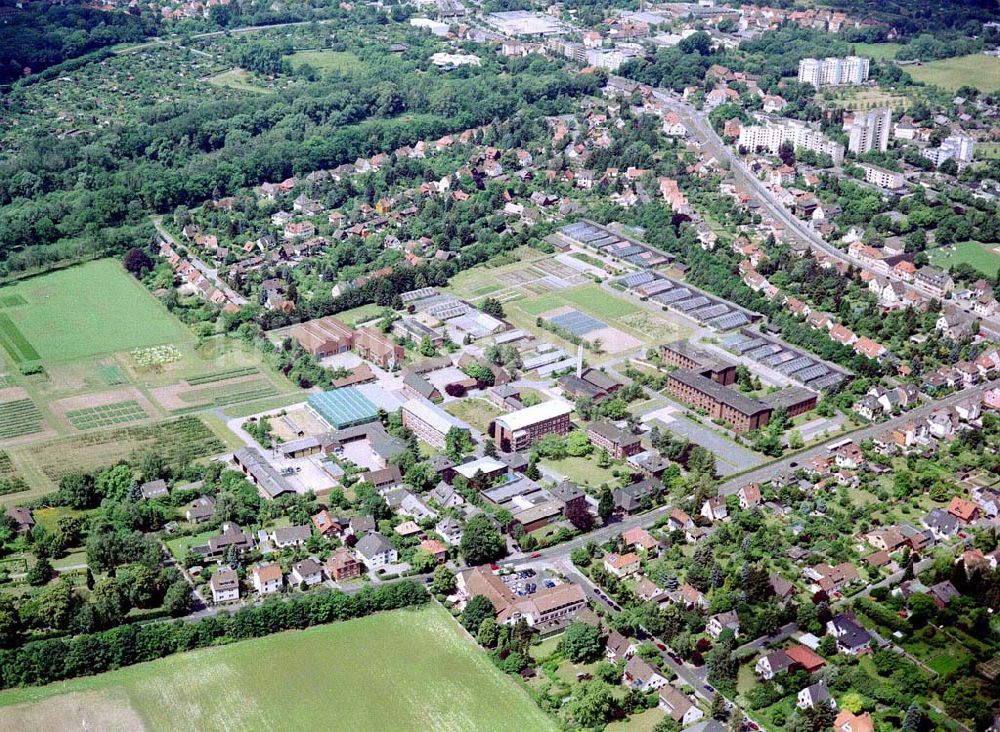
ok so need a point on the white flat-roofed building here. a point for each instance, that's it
(488, 466)
(883, 178)
(522, 428)
(429, 422)
(833, 71)
(771, 136)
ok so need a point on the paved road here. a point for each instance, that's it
(698, 122)
(793, 462)
(209, 272)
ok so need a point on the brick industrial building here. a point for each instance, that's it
(619, 443)
(685, 356)
(720, 402)
(323, 337)
(519, 430)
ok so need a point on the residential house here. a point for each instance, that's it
(723, 621)
(225, 584)
(847, 721)
(308, 572)
(772, 664)
(642, 676)
(749, 496)
(200, 510)
(852, 638)
(639, 539)
(941, 524)
(622, 565)
(618, 646)
(376, 550)
(23, 519)
(343, 565)
(812, 696)
(678, 706)
(267, 578)
(450, 530)
(285, 537)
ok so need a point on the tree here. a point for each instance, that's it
(426, 347)
(488, 633)
(77, 490)
(719, 709)
(492, 306)
(115, 483)
(423, 561)
(444, 580)
(603, 458)
(10, 622)
(457, 443)
(56, 604)
(477, 609)
(109, 603)
(40, 573)
(582, 643)
(594, 704)
(489, 448)
(914, 718)
(922, 609)
(481, 542)
(177, 599)
(137, 262)
(578, 444)
(606, 504)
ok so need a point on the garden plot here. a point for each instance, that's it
(104, 409)
(592, 330)
(19, 415)
(228, 390)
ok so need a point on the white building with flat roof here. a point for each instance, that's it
(772, 135)
(522, 428)
(833, 71)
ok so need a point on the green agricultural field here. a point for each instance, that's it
(968, 252)
(19, 417)
(590, 299)
(90, 309)
(878, 51)
(404, 670)
(327, 62)
(978, 70)
(106, 415)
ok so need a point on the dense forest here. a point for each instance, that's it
(83, 195)
(44, 35)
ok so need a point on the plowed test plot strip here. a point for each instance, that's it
(14, 341)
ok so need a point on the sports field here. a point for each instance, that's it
(404, 670)
(978, 70)
(973, 253)
(87, 310)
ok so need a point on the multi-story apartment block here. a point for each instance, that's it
(771, 136)
(685, 356)
(518, 430)
(883, 178)
(742, 413)
(870, 131)
(833, 71)
(959, 147)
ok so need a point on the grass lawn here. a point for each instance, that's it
(977, 69)
(945, 663)
(580, 470)
(745, 679)
(404, 670)
(642, 722)
(86, 310)
(588, 298)
(477, 413)
(48, 518)
(877, 51)
(326, 62)
(360, 314)
(179, 545)
(236, 79)
(969, 252)
(545, 649)
(987, 151)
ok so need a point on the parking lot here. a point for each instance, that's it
(730, 457)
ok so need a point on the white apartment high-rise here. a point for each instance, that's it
(770, 137)
(870, 131)
(833, 71)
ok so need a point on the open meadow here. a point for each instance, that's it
(977, 255)
(404, 670)
(978, 70)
